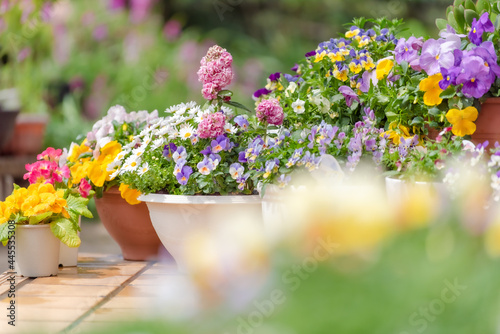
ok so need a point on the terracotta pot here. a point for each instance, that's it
(7, 125)
(488, 122)
(28, 135)
(129, 225)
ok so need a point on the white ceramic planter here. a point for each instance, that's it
(398, 190)
(68, 256)
(174, 217)
(37, 251)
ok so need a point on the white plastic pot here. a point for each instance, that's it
(37, 251)
(68, 256)
(174, 217)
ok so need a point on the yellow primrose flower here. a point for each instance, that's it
(130, 195)
(97, 169)
(462, 121)
(79, 171)
(383, 68)
(16, 199)
(432, 90)
(5, 213)
(319, 56)
(42, 198)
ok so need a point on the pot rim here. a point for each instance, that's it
(33, 226)
(397, 179)
(200, 199)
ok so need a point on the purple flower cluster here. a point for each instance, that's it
(215, 72)
(182, 171)
(366, 138)
(407, 50)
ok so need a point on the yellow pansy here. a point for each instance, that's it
(319, 56)
(336, 57)
(130, 195)
(432, 90)
(79, 171)
(355, 67)
(341, 75)
(76, 150)
(352, 33)
(383, 68)
(462, 121)
(396, 132)
(97, 169)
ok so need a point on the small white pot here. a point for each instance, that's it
(174, 217)
(68, 256)
(37, 251)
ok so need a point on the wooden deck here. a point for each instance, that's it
(102, 289)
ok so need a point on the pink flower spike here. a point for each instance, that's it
(270, 111)
(84, 188)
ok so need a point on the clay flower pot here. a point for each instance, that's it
(129, 225)
(488, 122)
(28, 135)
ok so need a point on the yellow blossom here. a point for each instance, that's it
(97, 169)
(462, 121)
(319, 56)
(336, 57)
(432, 90)
(383, 68)
(352, 33)
(76, 150)
(396, 132)
(130, 195)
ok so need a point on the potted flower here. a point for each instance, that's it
(48, 210)
(124, 217)
(25, 46)
(188, 164)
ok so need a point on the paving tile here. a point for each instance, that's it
(139, 291)
(113, 315)
(109, 270)
(41, 314)
(90, 279)
(5, 285)
(158, 280)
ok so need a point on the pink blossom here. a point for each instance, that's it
(60, 173)
(215, 72)
(50, 154)
(270, 111)
(212, 126)
(84, 188)
(172, 29)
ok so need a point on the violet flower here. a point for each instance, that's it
(183, 176)
(263, 91)
(434, 56)
(349, 95)
(168, 150)
(480, 26)
(475, 77)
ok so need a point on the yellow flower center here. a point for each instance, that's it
(133, 164)
(437, 57)
(473, 80)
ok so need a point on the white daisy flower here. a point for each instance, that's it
(138, 152)
(143, 169)
(229, 128)
(186, 132)
(157, 143)
(131, 164)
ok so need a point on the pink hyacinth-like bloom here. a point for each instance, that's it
(84, 188)
(270, 111)
(215, 72)
(212, 126)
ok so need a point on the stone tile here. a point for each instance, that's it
(109, 270)
(82, 279)
(113, 315)
(41, 314)
(5, 285)
(147, 291)
(159, 280)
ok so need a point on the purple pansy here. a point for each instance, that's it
(349, 95)
(480, 26)
(205, 166)
(220, 144)
(310, 54)
(434, 56)
(168, 150)
(242, 122)
(183, 176)
(275, 76)
(259, 92)
(475, 77)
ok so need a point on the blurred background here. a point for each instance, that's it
(71, 60)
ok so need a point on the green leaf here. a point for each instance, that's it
(64, 230)
(448, 93)
(497, 23)
(451, 21)
(417, 121)
(337, 98)
(434, 111)
(469, 4)
(391, 114)
(470, 15)
(36, 219)
(225, 92)
(404, 66)
(457, 2)
(482, 6)
(460, 18)
(79, 206)
(237, 105)
(4, 233)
